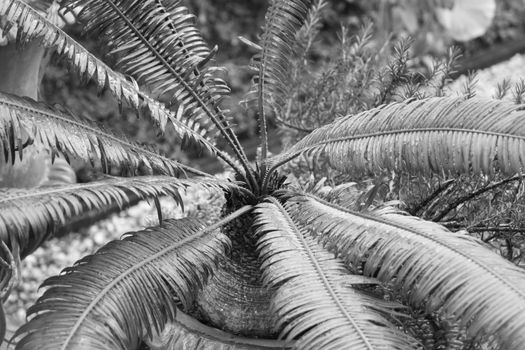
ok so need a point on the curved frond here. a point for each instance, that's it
(126, 291)
(436, 135)
(29, 216)
(312, 302)
(32, 25)
(283, 20)
(189, 334)
(444, 272)
(9, 275)
(62, 132)
(164, 51)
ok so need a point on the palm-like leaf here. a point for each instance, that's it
(32, 25)
(9, 274)
(311, 297)
(189, 334)
(163, 52)
(445, 272)
(60, 131)
(436, 135)
(27, 217)
(273, 63)
(129, 289)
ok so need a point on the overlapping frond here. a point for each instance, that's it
(164, 51)
(23, 120)
(126, 291)
(189, 334)
(28, 216)
(435, 135)
(444, 272)
(312, 302)
(9, 274)
(32, 25)
(283, 20)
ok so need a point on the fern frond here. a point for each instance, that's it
(444, 272)
(126, 291)
(311, 302)
(437, 135)
(299, 70)
(284, 18)
(163, 51)
(23, 120)
(28, 217)
(9, 274)
(189, 334)
(32, 25)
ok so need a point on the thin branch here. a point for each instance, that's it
(427, 213)
(440, 215)
(510, 248)
(443, 187)
(496, 229)
(262, 112)
(489, 238)
(291, 126)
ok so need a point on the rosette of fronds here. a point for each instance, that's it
(299, 266)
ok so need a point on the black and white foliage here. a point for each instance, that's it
(336, 277)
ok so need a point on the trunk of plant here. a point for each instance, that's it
(234, 299)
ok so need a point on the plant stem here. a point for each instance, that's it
(440, 215)
(294, 127)
(444, 186)
(262, 118)
(496, 229)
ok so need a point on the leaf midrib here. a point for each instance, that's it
(423, 235)
(99, 132)
(156, 256)
(319, 270)
(236, 147)
(110, 72)
(298, 148)
(117, 280)
(408, 131)
(108, 182)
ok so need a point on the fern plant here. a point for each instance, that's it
(284, 266)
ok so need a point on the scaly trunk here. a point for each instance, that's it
(234, 299)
